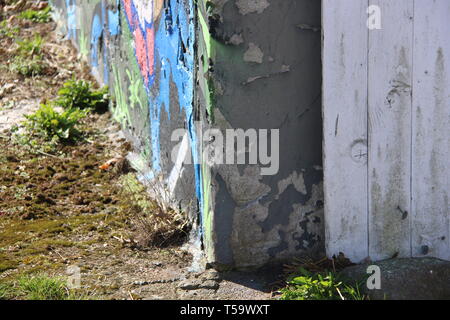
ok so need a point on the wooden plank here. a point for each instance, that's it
(431, 111)
(389, 108)
(345, 127)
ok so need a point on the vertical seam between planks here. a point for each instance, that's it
(367, 137)
(411, 214)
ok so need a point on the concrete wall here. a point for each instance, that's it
(217, 64)
(264, 72)
(144, 51)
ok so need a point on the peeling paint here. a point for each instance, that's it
(252, 6)
(284, 69)
(253, 54)
(236, 39)
(295, 179)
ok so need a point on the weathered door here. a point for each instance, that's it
(386, 114)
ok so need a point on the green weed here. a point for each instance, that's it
(320, 286)
(7, 31)
(40, 16)
(27, 66)
(50, 124)
(31, 47)
(29, 61)
(79, 94)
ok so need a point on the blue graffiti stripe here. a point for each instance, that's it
(174, 50)
(71, 19)
(96, 33)
(114, 22)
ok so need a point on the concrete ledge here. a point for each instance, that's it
(407, 279)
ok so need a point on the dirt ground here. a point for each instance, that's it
(60, 210)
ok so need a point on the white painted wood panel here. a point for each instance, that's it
(389, 109)
(345, 127)
(390, 87)
(431, 112)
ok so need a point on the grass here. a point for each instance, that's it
(6, 263)
(38, 287)
(156, 225)
(6, 291)
(39, 16)
(42, 288)
(326, 285)
(37, 238)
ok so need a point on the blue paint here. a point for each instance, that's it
(114, 21)
(174, 53)
(96, 33)
(174, 36)
(176, 66)
(105, 48)
(71, 19)
(174, 48)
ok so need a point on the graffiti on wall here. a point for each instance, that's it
(168, 46)
(144, 49)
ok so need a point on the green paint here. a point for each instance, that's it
(134, 87)
(206, 35)
(133, 94)
(207, 47)
(84, 46)
(120, 111)
(138, 95)
(207, 214)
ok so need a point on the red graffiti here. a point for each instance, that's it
(151, 48)
(144, 41)
(127, 5)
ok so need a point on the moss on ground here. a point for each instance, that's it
(61, 209)
(55, 208)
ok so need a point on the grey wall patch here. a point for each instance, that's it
(296, 179)
(252, 6)
(236, 39)
(250, 244)
(253, 54)
(218, 6)
(247, 188)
